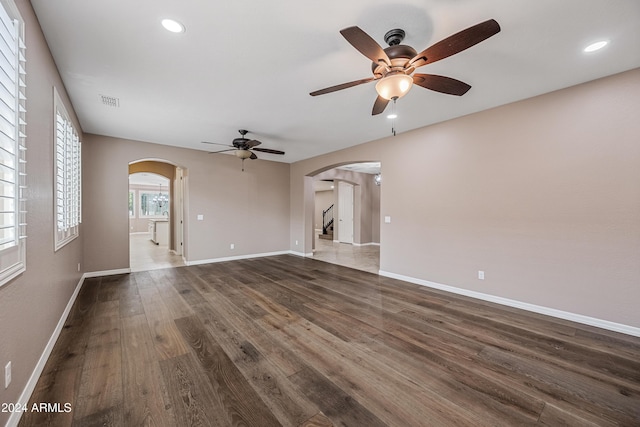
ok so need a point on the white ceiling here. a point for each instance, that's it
(146, 178)
(251, 65)
(364, 167)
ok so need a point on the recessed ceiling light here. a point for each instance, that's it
(392, 116)
(173, 26)
(596, 46)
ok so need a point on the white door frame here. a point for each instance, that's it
(179, 212)
(345, 212)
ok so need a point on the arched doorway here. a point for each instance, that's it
(350, 193)
(156, 198)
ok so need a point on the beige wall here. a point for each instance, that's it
(543, 195)
(249, 209)
(31, 305)
(375, 214)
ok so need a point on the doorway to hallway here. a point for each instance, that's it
(345, 215)
(156, 206)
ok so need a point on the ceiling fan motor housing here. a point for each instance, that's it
(399, 55)
(241, 143)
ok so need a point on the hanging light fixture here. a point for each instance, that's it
(394, 85)
(161, 199)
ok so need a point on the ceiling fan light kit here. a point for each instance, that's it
(243, 154)
(394, 86)
(393, 67)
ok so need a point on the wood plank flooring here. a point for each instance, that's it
(297, 342)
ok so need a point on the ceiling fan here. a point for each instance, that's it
(393, 66)
(244, 147)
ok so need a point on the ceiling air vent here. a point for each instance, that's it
(110, 101)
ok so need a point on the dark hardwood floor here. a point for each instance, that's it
(297, 342)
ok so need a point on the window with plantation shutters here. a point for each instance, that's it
(12, 143)
(67, 176)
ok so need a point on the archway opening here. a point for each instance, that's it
(345, 226)
(155, 215)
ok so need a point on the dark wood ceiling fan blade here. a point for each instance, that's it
(268, 150)
(252, 143)
(456, 43)
(342, 86)
(379, 105)
(223, 151)
(253, 156)
(365, 45)
(441, 84)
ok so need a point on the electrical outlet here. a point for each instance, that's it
(232, 246)
(7, 375)
(296, 243)
(78, 267)
(480, 274)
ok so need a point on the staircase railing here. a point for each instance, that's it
(327, 219)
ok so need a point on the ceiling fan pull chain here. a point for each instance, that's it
(394, 115)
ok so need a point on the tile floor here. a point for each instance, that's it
(366, 258)
(146, 255)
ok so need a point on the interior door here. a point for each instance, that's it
(345, 212)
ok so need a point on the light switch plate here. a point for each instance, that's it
(387, 219)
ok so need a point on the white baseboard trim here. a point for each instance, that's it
(367, 244)
(301, 254)
(23, 400)
(106, 272)
(578, 318)
(234, 258)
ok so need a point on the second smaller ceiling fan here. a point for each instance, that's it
(244, 147)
